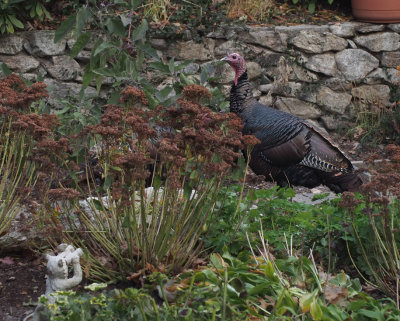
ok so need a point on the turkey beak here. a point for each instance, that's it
(225, 59)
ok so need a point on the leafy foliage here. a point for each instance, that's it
(234, 288)
(182, 152)
(12, 12)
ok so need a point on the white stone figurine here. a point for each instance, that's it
(57, 275)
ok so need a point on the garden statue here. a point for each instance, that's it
(57, 275)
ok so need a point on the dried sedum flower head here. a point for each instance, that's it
(16, 94)
(195, 93)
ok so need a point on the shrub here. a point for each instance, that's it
(183, 153)
(19, 131)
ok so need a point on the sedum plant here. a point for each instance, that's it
(161, 171)
(19, 131)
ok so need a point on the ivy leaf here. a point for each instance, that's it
(140, 32)
(80, 44)
(65, 27)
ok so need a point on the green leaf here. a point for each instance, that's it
(107, 183)
(148, 50)
(105, 72)
(306, 300)
(80, 43)
(134, 4)
(39, 9)
(82, 18)
(140, 31)
(16, 22)
(102, 47)
(97, 204)
(163, 94)
(125, 19)
(115, 27)
(187, 190)
(259, 288)
(87, 78)
(311, 7)
(218, 261)
(65, 27)
(96, 286)
(374, 315)
(160, 66)
(4, 69)
(316, 311)
(171, 66)
(211, 276)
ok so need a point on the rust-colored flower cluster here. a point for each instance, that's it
(16, 94)
(180, 139)
(35, 131)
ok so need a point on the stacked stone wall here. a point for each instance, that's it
(328, 74)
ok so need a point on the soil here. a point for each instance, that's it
(22, 281)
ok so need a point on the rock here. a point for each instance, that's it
(373, 94)
(369, 27)
(268, 38)
(41, 43)
(84, 56)
(20, 62)
(265, 88)
(11, 44)
(190, 50)
(225, 73)
(253, 70)
(338, 84)
(390, 59)
(378, 75)
(228, 46)
(377, 42)
(191, 68)
(323, 63)
(330, 122)
(314, 42)
(59, 89)
(345, 29)
(298, 73)
(30, 77)
(21, 234)
(355, 64)
(293, 31)
(352, 44)
(266, 100)
(332, 101)
(394, 26)
(298, 108)
(63, 68)
(159, 43)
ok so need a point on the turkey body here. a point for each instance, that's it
(291, 152)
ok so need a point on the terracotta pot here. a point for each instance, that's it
(381, 11)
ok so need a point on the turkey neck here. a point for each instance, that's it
(241, 96)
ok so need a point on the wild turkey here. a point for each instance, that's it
(291, 152)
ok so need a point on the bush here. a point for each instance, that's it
(183, 153)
